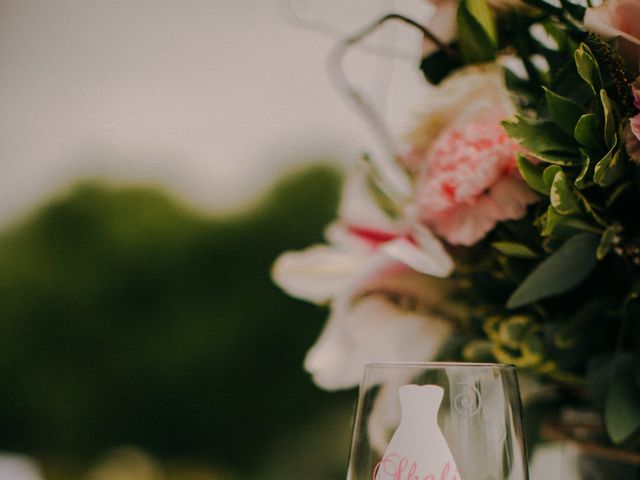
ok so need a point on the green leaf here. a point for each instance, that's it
(587, 132)
(571, 331)
(563, 159)
(606, 243)
(609, 169)
(591, 211)
(532, 175)
(560, 225)
(609, 122)
(577, 11)
(583, 180)
(564, 112)
(544, 140)
(562, 196)
(598, 377)
(513, 249)
(481, 11)
(559, 273)
(549, 174)
(622, 409)
(551, 220)
(476, 31)
(588, 68)
(617, 193)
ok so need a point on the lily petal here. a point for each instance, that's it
(316, 274)
(371, 330)
(428, 256)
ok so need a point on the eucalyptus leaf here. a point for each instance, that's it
(513, 249)
(563, 270)
(598, 377)
(564, 112)
(622, 409)
(532, 175)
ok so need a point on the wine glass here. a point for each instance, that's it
(438, 421)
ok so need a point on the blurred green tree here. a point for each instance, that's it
(126, 318)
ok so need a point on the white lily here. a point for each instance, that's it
(378, 277)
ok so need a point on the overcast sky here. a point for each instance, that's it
(210, 98)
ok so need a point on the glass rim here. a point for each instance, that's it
(501, 366)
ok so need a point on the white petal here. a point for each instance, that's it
(429, 257)
(338, 234)
(358, 207)
(371, 330)
(317, 273)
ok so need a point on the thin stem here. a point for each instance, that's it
(399, 184)
(295, 18)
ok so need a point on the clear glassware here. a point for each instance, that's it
(438, 421)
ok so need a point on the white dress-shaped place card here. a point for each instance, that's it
(418, 449)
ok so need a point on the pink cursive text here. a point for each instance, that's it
(395, 467)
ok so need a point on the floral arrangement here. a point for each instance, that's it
(507, 228)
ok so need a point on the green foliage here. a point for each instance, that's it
(127, 318)
(512, 249)
(577, 273)
(560, 272)
(544, 140)
(622, 410)
(477, 34)
(564, 112)
(588, 68)
(532, 174)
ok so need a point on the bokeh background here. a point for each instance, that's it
(156, 156)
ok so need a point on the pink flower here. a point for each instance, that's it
(632, 129)
(471, 182)
(618, 19)
(635, 126)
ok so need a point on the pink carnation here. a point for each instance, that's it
(470, 181)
